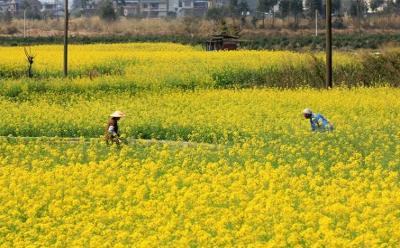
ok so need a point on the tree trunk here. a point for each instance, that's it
(30, 70)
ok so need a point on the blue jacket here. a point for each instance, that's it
(320, 123)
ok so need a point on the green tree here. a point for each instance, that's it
(32, 9)
(243, 8)
(336, 6)
(107, 11)
(358, 6)
(313, 5)
(266, 6)
(291, 7)
(234, 8)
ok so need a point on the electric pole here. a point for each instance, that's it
(66, 38)
(358, 17)
(316, 22)
(328, 43)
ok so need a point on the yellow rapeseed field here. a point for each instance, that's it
(163, 65)
(268, 181)
(231, 163)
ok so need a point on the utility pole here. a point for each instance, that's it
(66, 38)
(358, 17)
(316, 22)
(328, 43)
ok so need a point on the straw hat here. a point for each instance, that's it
(117, 114)
(307, 111)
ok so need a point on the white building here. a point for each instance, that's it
(146, 8)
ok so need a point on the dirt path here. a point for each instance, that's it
(130, 141)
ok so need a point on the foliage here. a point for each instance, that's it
(337, 7)
(312, 6)
(291, 7)
(216, 14)
(106, 11)
(131, 66)
(250, 41)
(33, 8)
(267, 182)
(252, 174)
(358, 7)
(266, 5)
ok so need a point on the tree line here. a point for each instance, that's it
(235, 9)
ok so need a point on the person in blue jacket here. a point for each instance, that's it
(318, 122)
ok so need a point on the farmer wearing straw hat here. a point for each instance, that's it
(112, 127)
(318, 122)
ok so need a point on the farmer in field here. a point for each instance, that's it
(112, 134)
(318, 122)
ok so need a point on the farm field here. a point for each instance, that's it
(239, 165)
(136, 67)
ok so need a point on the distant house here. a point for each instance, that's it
(131, 8)
(189, 7)
(145, 8)
(154, 8)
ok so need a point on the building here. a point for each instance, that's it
(145, 8)
(153, 8)
(131, 8)
(188, 7)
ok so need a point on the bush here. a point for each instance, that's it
(11, 30)
(107, 11)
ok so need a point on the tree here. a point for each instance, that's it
(284, 6)
(392, 6)
(336, 6)
(107, 11)
(266, 6)
(313, 5)
(234, 9)
(32, 9)
(291, 8)
(375, 4)
(243, 8)
(120, 4)
(358, 8)
(7, 17)
(215, 14)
